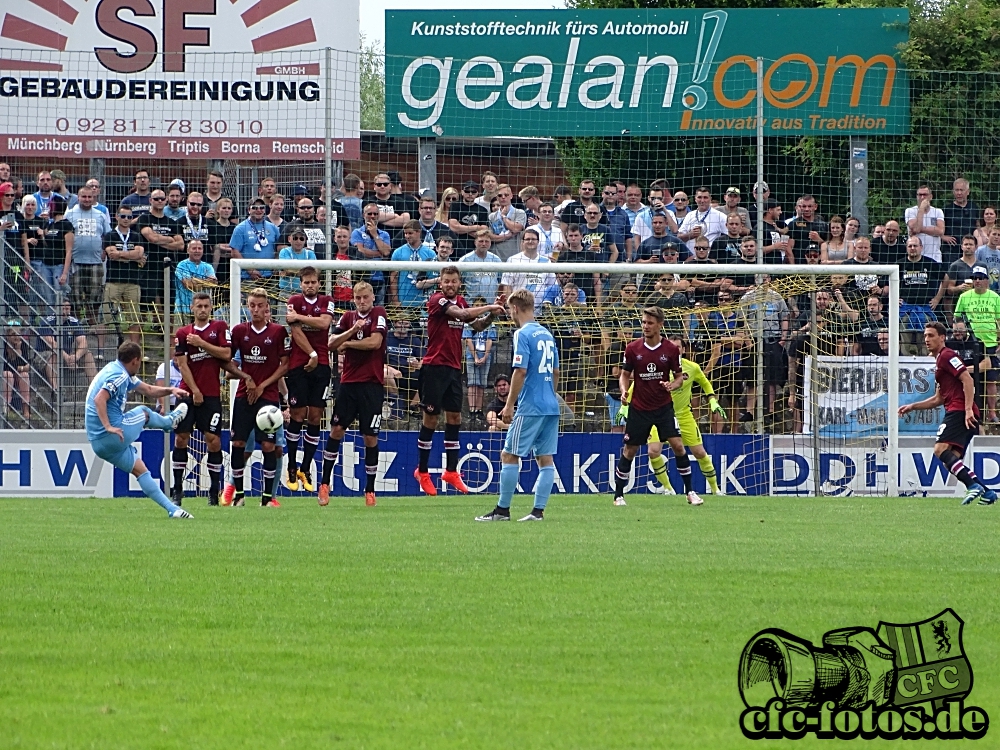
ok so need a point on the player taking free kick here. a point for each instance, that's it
(361, 334)
(956, 390)
(112, 431)
(441, 373)
(535, 427)
(650, 361)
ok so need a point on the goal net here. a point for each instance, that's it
(801, 412)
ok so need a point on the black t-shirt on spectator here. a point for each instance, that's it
(960, 221)
(152, 285)
(864, 283)
(51, 248)
(799, 229)
(468, 216)
(868, 329)
(703, 294)
(743, 279)
(725, 249)
(971, 351)
(124, 271)
(338, 217)
(220, 234)
(13, 234)
(436, 231)
(919, 280)
(573, 214)
(583, 280)
(652, 246)
(601, 233)
(884, 254)
(391, 207)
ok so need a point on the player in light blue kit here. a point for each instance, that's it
(111, 430)
(535, 427)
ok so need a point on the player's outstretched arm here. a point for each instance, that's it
(928, 403)
(158, 391)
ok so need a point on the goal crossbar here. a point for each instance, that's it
(683, 269)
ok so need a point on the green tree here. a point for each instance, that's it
(372, 83)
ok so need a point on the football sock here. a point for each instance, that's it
(309, 449)
(330, 454)
(659, 466)
(684, 469)
(622, 473)
(279, 464)
(152, 489)
(424, 442)
(179, 464)
(955, 465)
(451, 444)
(237, 462)
(156, 421)
(214, 465)
(708, 470)
(371, 468)
(270, 462)
(508, 483)
(292, 433)
(543, 487)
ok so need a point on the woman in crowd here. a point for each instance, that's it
(986, 223)
(220, 231)
(449, 196)
(835, 250)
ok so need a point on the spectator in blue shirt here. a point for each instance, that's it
(255, 238)
(481, 285)
(296, 250)
(411, 288)
(191, 275)
(372, 243)
(619, 223)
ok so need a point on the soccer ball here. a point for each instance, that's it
(269, 419)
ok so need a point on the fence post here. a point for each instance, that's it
(427, 165)
(328, 160)
(759, 293)
(859, 181)
(165, 469)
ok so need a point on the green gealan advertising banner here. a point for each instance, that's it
(549, 73)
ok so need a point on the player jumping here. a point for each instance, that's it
(956, 390)
(690, 433)
(651, 360)
(535, 427)
(263, 348)
(202, 350)
(361, 333)
(310, 315)
(112, 431)
(441, 373)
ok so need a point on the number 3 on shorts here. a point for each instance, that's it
(941, 429)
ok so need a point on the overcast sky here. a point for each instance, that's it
(373, 11)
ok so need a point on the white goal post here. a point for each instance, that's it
(238, 286)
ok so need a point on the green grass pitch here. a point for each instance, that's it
(408, 625)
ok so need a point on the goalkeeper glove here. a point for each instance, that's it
(622, 414)
(715, 407)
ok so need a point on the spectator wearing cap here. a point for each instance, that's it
(468, 217)
(733, 206)
(777, 244)
(52, 256)
(651, 248)
(59, 187)
(255, 238)
(354, 190)
(139, 199)
(980, 308)
(501, 387)
(759, 194)
(175, 200)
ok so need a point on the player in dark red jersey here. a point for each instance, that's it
(360, 334)
(202, 351)
(263, 348)
(956, 390)
(650, 361)
(310, 315)
(441, 373)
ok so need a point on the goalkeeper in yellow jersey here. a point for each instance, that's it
(690, 433)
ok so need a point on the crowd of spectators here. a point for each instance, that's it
(79, 259)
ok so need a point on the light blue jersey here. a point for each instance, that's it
(535, 353)
(114, 379)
